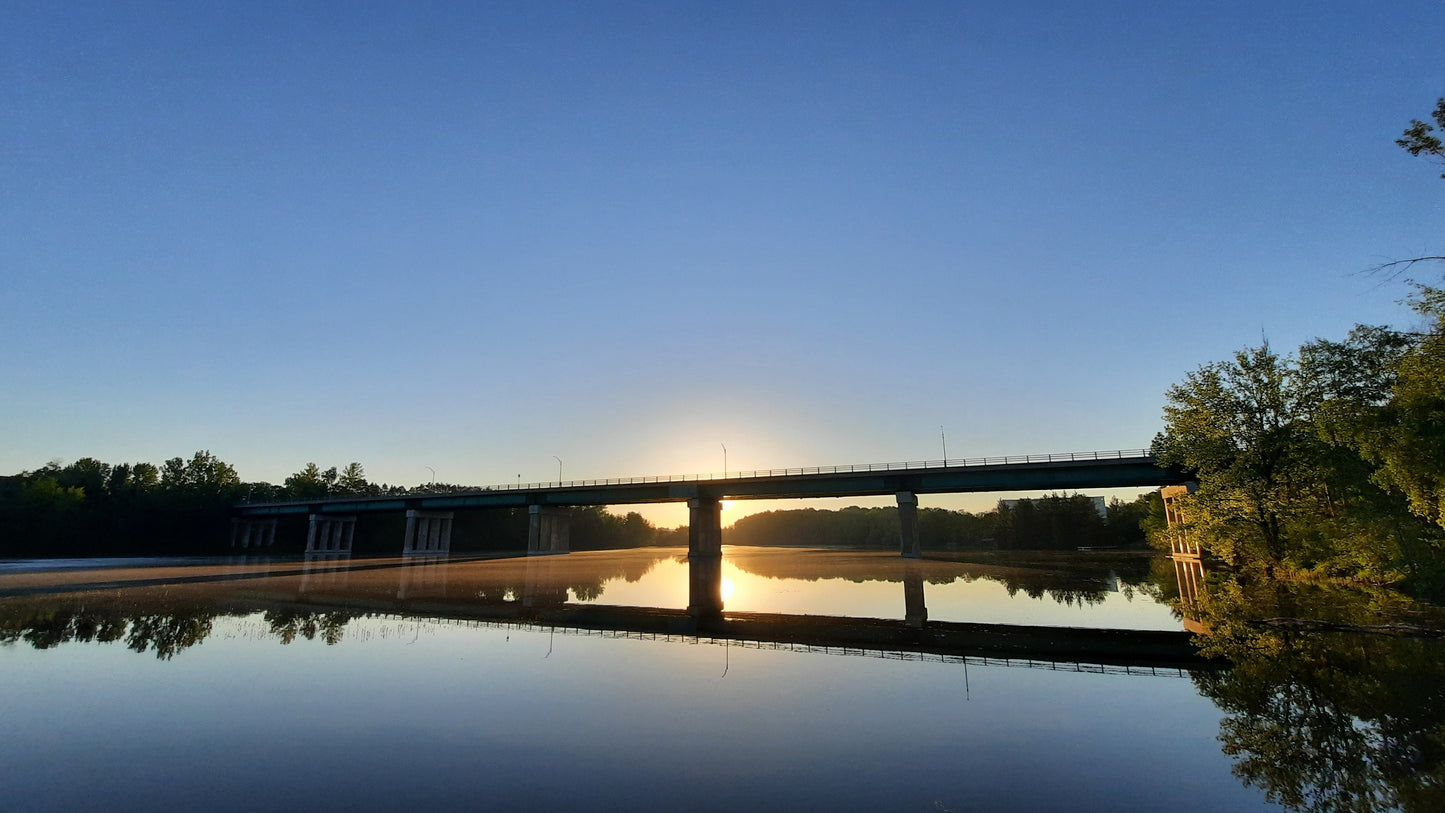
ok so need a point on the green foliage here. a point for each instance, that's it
(1053, 522)
(1418, 139)
(1406, 438)
(1241, 426)
(596, 528)
(1315, 463)
(203, 476)
(310, 483)
(95, 508)
(1129, 523)
(352, 480)
(852, 527)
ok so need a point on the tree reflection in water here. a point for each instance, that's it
(287, 624)
(1065, 577)
(153, 620)
(1336, 698)
(165, 633)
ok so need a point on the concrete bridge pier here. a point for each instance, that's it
(908, 525)
(428, 532)
(704, 558)
(549, 530)
(330, 534)
(253, 533)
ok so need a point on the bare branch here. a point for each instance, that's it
(1395, 268)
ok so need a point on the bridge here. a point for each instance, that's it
(429, 516)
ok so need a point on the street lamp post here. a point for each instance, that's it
(943, 438)
(559, 470)
(725, 460)
(433, 474)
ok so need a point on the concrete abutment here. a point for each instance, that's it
(428, 532)
(330, 534)
(249, 533)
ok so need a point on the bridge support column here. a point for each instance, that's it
(253, 533)
(428, 532)
(549, 530)
(908, 525)
(704, 558)
(329, 534)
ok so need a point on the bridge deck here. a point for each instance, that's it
(1070, 471)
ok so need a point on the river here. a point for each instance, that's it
(580, 682)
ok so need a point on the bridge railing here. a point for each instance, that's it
(854, 468)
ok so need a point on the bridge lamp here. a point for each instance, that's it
(559, 469)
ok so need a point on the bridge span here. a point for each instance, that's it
(429, 516)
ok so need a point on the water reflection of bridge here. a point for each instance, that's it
(535, 591)
(818, 649)
(539, 595)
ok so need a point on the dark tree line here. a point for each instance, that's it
(90, 508)
(183, 506)
(1054, 522)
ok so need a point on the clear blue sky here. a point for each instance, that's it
(473, 236)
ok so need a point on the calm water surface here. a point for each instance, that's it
(465, 684)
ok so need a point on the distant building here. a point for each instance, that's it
(1099, 504)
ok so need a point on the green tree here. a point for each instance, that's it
(1418, 139)
(1129, 523)
(1241, 426)
(204, 475)
(88, 474)
(309, 483)
(1407, 439)
(352, 480)
(145, 477)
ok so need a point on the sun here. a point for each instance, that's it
(727, 588)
